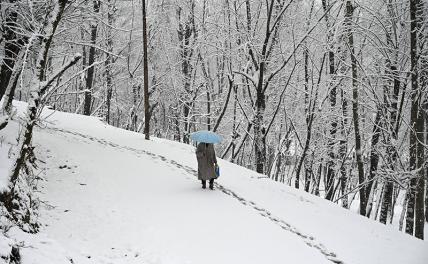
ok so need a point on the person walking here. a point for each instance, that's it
(207, 162)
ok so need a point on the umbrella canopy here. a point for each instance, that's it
(205, 136)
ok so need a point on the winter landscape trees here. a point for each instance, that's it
(327, 96)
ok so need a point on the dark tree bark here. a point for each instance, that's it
(205, 66)
(223, 111)
(24, 144)
(387, 205)
(12, 47)
(332, 97)
(374, 160)
(261, 85)
(146, 77)
(309, 119)
(343, 148)
(186, 33)
(415, 219)
(109, 61)
(91, 60)
(419, 131)
(342, 67)
(316, 188)
(410, 215)
(10, 93)
(391, 103)
(259, 130)
(355, 105)
(424, 83)
(426, 154)
(308, 114)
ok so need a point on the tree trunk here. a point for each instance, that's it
(186, 30)
(12, 47)
(259, 129)
(91, 60)
(316, 188)
(304, 153)
(310, 116)
(420, 126)
(420, 184)
(374, 161)
(342, 67)
(387, 209)
(415, 211)
(186, 114)
(330, 176)
(224, 108)
(343, 148)
(109, 61)
(387, 204)
(146, 77)
(259, 135)
(426, 154)
(24, 143)
(392, 127)
(355, 106)
(10, 90)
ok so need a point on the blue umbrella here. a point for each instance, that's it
(205, 136)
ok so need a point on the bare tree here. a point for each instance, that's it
(8, 196)
(146, 76)
(415, 208)
(91, 59)
(12, 45)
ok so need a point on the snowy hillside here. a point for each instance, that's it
(112, 197)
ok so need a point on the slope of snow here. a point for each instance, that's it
(112, 197)
(6, 142)
(5, 163)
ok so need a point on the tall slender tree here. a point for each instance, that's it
(355, 106)
(109, 60)
(91, 71)
(146, 76)
(12, 46)
(44, 40)
(330, 176)
(415, 219)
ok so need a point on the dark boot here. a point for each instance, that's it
(204, 184)
(212, 184)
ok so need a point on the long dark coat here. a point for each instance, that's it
(205, 154)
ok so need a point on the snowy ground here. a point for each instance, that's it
(112, 197)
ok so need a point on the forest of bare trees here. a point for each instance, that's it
(328, 96)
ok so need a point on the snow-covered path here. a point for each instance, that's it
(114, 205)
(174, 165)
(112, 197)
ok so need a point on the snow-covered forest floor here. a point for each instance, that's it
(109, 196)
